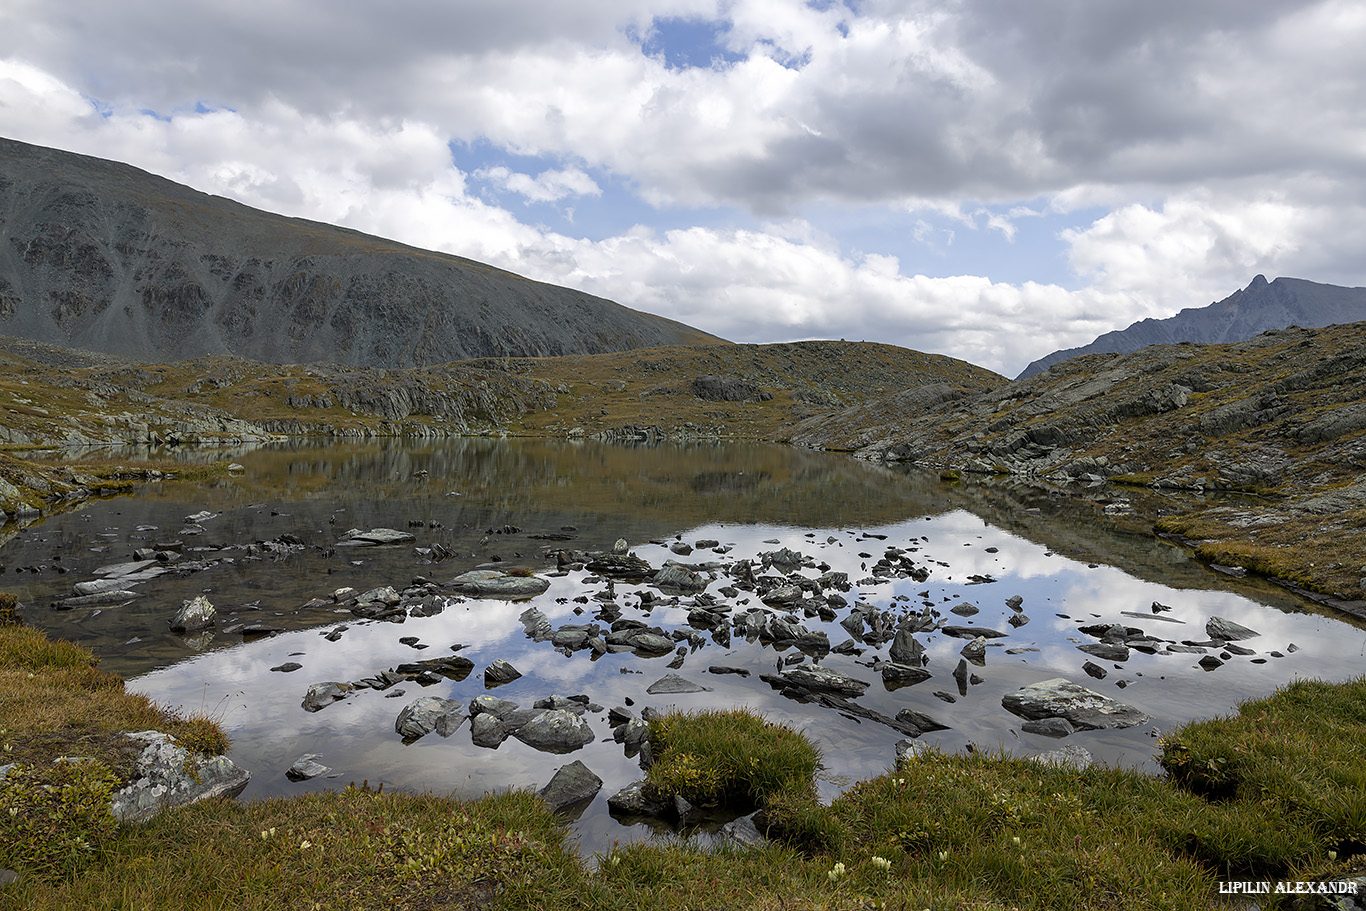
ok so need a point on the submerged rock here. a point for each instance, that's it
(672, 684)
(374, 537)
(306, 767)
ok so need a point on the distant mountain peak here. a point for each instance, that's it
(1259, 307)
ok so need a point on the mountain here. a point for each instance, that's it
(99, 255)
(1261, 306)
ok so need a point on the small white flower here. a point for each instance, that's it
(882, 863)
(1016, 839)
(836, 872)
(943, 855)
(1332, 856)
(305, 845)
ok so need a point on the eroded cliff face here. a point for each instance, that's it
(100, 255)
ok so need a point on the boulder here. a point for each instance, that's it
(426, 714)
(195, 614)
(554, 731)
(374, 537)
(571, 784)
(500, 672)
(1060, 698)
(168, 775)
(634, 800)
(320, 695)
(817, 679)
(306, 767)
(1227, 630)
(491, 583)
(905, 649)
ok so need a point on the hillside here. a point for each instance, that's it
(1259, 307)
(1281, 416)
(100, 255)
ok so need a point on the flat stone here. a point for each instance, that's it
(1068, 757)
(818, 679)
(972, 632)
(1060, 698)
(892, 672)
(374, 537)
(491, 583)
(1106, 651)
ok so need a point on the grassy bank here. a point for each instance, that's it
(1275, 792)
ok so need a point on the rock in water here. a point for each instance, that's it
(1227, 630)
(571, 784)
(426, 714)
(500, 672)
(306, 767)
(1060, 698)
(374, 537)
(195, 614)
(555, 731)
(494, 584)
(321, 695)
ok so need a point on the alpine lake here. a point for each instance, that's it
(263, 546)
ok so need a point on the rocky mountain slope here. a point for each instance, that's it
(1261, 306)
(1281, 416)
(100, 255)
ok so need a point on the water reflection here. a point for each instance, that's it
(745, 497)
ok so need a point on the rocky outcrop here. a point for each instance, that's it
(168, 775)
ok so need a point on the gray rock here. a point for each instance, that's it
(492, 705)
(976, 650)
(1060, 698)
(488, 730)
(893, 672)
(374, 537)
(195, 614)
(743, 832)
(1068, 757)
(425, 714)
(571, 784)
(633, 800)
(306, 767)
(679, 578)
(908, 751)
(1106, 651)
(555, 731)
(491, 583)
(500, 672)
(1227, 630)
(288, 667)
(817, 679)
(905, 648)
(971, 632)
(168, 775)
(919, 722)
(320, 695)
(671, 684)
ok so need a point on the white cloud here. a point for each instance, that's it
(548, 186)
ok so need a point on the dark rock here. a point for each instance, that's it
(972, 632)
(1048, 727)
(320, 695)
(636, 799)
(571, 784)
(500, 672)
(427, 714)
(816, 679)
(287, 667)
(306, 767)
(902, 673)
(1227, 630)
(1106, 651)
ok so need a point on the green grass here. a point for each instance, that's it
(729, 757)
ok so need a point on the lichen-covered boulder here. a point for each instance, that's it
(168, 775)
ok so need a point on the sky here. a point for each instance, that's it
(987, 179)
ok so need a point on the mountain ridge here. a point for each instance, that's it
(101, 255)
(1246, 313)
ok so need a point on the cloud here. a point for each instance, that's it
(548, 186)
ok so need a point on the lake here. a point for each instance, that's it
(1072, 561)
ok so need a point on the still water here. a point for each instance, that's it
(509, 503)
